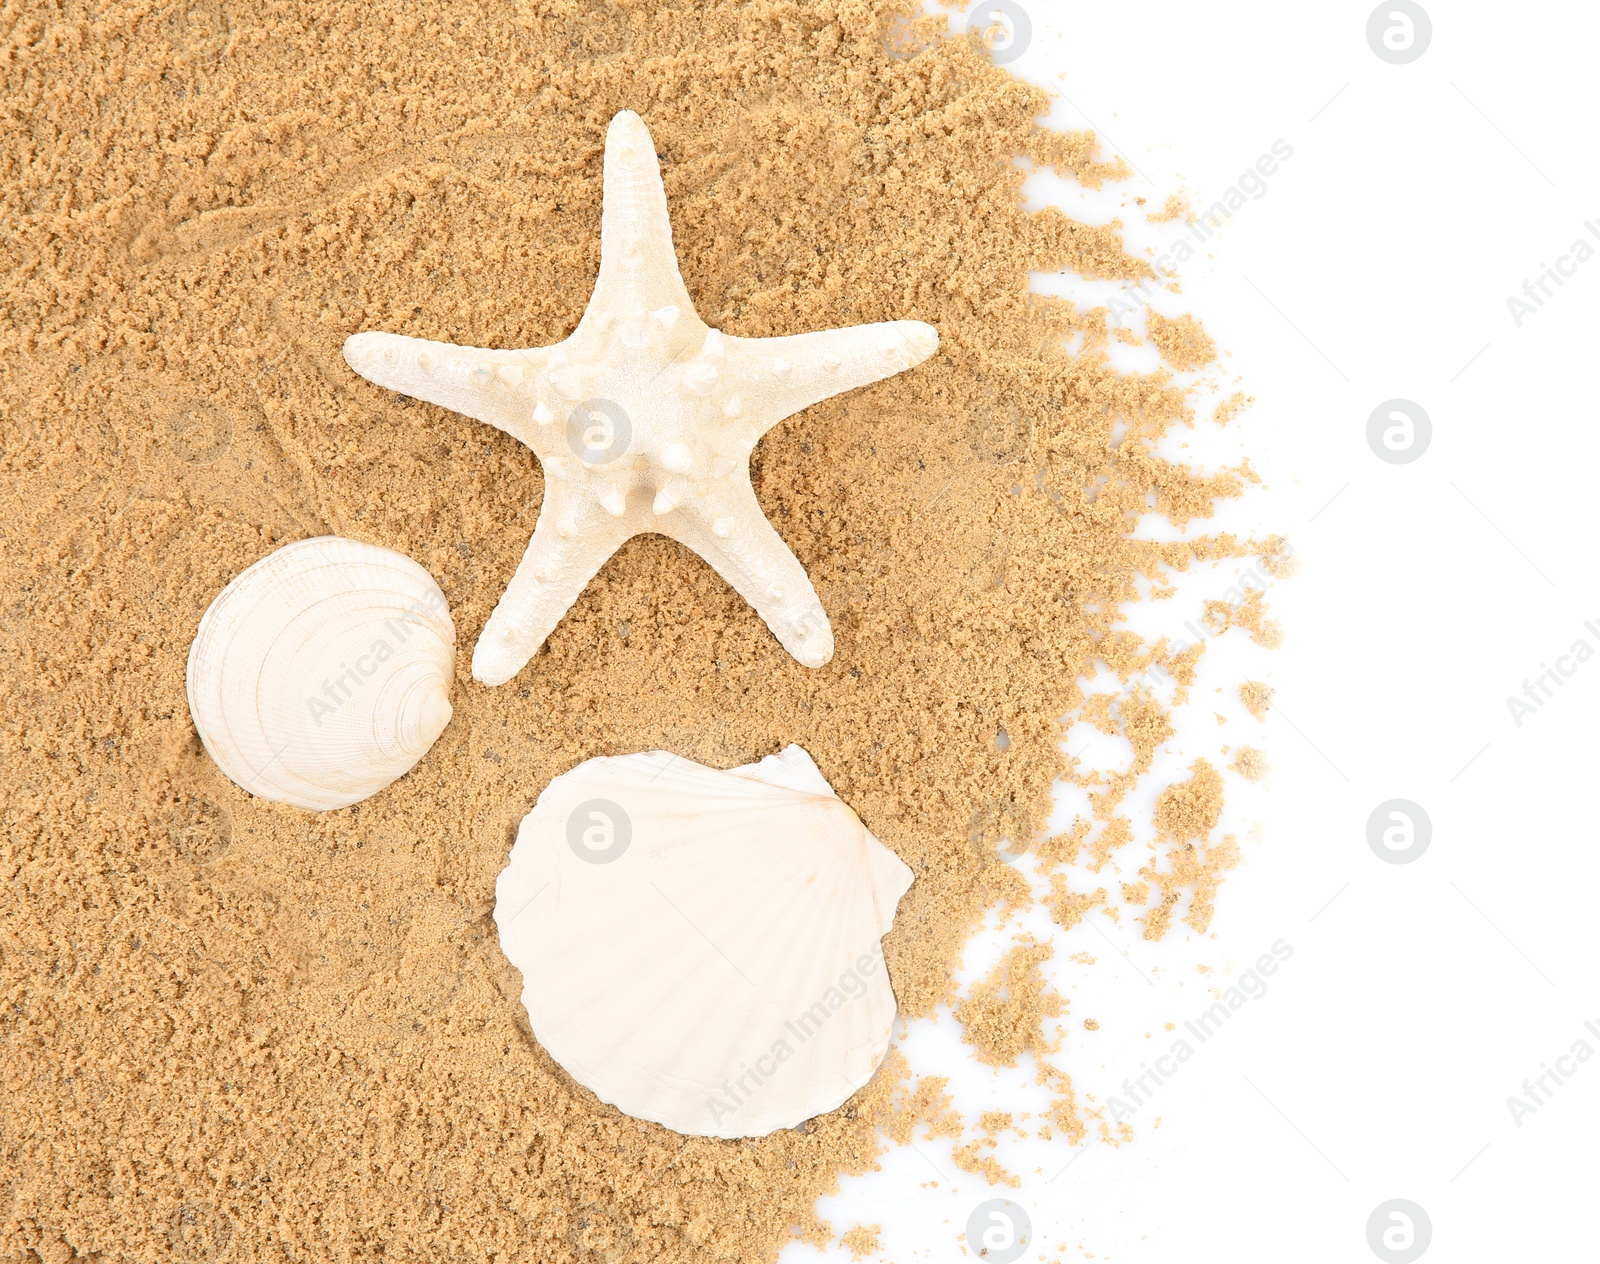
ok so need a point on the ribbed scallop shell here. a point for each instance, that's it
(322, 672)
(701, 948)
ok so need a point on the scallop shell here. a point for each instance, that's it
(701, 948)
(322, 672)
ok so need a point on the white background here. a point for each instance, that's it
(1420, 996)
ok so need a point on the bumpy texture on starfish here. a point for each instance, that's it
(644, 420)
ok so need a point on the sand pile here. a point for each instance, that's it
(238, 1031)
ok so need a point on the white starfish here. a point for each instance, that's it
(644, 420)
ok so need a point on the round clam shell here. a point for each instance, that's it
(322, 672)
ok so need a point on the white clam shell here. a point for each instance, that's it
(701, 948)
(322, 672)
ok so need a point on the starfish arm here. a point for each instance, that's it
(760, 567)
(638, 266)
(572, 540)
(498, 387)
(777, 377)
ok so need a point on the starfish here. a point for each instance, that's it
(643, 420)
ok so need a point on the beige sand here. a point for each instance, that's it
(236, 1031)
